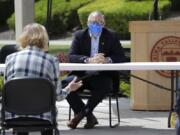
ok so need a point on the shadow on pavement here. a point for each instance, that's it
(121, 130)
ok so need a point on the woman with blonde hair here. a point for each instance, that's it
(33, 61)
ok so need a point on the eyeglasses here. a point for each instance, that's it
(96, 22)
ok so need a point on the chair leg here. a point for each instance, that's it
(118, 113)
(13, 132)
(110, 118)
(69, 113)
(110, 113)
(3, 131)
(57, 131)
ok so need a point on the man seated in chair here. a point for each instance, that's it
(33, 61)
(95, 44)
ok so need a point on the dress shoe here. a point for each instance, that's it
(75, 121)
(91, 122)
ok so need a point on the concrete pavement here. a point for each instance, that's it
(132, 122)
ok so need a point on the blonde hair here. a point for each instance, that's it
(35, 35)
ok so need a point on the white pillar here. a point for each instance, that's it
(24, 14)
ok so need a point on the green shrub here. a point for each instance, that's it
(125, 88)
(64, 15)
(118, 13)
(1, 83)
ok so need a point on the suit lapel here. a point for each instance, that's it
(101, 42)
(88, 44)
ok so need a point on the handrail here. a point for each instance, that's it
(117, 66)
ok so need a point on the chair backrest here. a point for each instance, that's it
(6, 50)
(28, 96)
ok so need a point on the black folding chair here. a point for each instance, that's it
(114, 93)
(28, 96)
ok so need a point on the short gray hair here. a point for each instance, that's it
(97, 14)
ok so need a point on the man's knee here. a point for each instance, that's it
(102, 85)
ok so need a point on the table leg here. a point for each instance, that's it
(172, 98)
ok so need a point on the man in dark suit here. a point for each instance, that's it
(95, 44)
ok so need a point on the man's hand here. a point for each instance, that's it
(98, 58)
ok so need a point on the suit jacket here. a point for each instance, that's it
(108, 44)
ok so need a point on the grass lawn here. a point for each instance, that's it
(54, 49)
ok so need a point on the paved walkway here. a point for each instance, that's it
(132, 122)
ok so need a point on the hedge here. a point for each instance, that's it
(64, 15)
(119, 12)
(69, 15)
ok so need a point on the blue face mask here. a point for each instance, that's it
(95, 29)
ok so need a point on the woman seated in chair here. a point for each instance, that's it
(33, 61)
